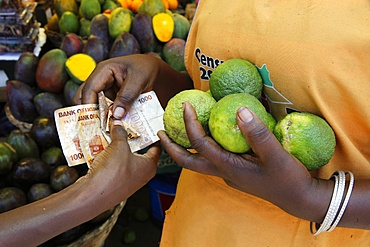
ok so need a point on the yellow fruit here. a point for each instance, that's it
(166, 4)
(222, 121)
(120, 21)
(235, 76)
(173, 4)
(163, 26)
(69, 23)
(307, 137)
(79, 67)
(135, 5)
(173, 119)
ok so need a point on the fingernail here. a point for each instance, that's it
(117, 122)
(118, 112)
(183, 105)
(244, 114)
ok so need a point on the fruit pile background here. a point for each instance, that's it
(32, 164)
(99, 30)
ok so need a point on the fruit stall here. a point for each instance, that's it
(43, 46)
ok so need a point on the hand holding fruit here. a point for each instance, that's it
(272, 173)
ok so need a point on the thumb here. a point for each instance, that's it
(260, 138)
(118, 132)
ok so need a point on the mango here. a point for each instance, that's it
(68, 23)
(61, 6)
(120, 21)
(99, 27)
(72, 44)
(142, 29)
(110, 5)
(79, 67)
(46, 103)
(182, 26)
(163, 26)
(85, 25)
(90, 8)
(19, 97)
(51, 75)
(124, 44)
(152, 7)
(69, 91)
(173, 53)
(97, 48)
(25, 68)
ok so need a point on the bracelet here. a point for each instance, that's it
(345, 202)
(333, 207)
(332, 216)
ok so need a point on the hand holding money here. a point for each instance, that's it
(84, 129)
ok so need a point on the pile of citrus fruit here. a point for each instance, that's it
(236, 83)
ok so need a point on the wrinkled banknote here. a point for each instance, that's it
(84, 129)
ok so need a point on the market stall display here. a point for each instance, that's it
(40, 88)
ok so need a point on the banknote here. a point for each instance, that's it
(84, 129)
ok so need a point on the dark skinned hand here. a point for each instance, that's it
(271, 173)
(123, 79)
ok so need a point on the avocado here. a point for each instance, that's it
(11, 198)
(38, 191)
(8, 157)
(46, 103)
(23, 143)
(44, 132)
(62, 177)
(54, 157)
(30, 170)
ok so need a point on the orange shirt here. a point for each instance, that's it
(313, 56)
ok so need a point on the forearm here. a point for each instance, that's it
(313, 204)
(170, 82)
(40, 221)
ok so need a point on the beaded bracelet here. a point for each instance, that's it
(336, 208)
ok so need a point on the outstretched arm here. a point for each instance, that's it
(115, 174)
